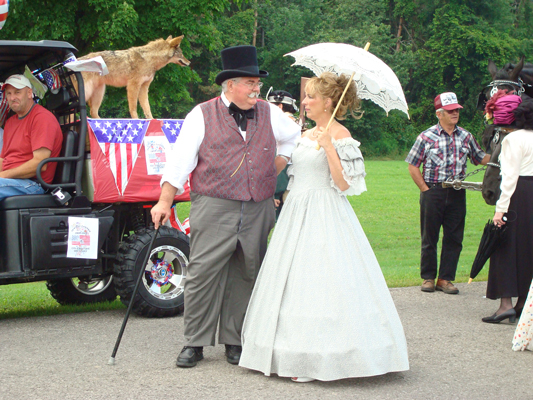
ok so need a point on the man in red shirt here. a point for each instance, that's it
(30, 136)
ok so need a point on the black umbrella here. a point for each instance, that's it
(493, 236)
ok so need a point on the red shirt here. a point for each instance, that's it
(22, 136)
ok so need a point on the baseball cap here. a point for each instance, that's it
(17, 81)
(447, 101)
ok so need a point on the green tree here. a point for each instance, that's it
(285, 27)
(457, 61)
(94, 25)
(431, 45)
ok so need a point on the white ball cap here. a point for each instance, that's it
(17, 81)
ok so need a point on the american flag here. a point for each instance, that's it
(171, 128)
(4, 7)
(120, 141)
(51, 78)
(81, 240)
(4, 108)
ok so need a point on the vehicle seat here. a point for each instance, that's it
(59, 100)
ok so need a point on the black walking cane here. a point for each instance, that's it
(141, 272)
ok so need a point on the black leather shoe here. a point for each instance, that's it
(189, 356)
(233, 353)
(518, 311)
(496, 319)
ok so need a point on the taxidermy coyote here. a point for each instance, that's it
(134, 68)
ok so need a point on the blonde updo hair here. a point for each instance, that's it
(330, 85)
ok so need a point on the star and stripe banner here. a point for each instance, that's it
(171, 128)
(111, 140)
(120, 140)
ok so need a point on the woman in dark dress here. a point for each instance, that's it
(511, 265)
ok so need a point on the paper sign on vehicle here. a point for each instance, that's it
(82, 238)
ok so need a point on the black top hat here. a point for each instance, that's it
(239, 61)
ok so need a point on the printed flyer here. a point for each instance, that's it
(156, 149)
(82, 238)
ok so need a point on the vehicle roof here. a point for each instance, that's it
(15, 54)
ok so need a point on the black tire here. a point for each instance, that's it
(82, 290)
(160, 292)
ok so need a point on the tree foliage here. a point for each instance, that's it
(432, 45)
(94, 25)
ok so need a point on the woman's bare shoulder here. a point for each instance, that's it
(340, 132)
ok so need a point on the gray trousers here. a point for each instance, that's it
(228, 244)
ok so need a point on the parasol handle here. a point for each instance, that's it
(470, 280)
(342, 97)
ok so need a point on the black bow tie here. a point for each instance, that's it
(241, 116)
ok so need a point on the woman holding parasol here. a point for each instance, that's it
(321, 308)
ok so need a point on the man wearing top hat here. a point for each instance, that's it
(443, 149)
(233, 147)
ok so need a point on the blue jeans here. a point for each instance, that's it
(17, 187)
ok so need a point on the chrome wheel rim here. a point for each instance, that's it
(92, 287)
(164, 274)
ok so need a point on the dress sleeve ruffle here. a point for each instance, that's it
(353, 167)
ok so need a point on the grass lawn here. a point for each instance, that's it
(32, 299)
(388, 212)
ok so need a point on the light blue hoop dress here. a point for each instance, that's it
(320, 307)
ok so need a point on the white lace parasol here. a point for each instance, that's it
(374, 79)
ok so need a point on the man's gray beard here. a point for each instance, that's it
(254, 95)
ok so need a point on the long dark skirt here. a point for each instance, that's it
(511, 265)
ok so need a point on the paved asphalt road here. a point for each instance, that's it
(452, 354)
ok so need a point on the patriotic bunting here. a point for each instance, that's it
(171, 128)
(120, 140)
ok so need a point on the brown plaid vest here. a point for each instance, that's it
(229, 167)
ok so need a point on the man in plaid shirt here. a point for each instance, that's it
(443, 150)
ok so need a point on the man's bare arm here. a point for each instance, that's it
(417, 178)
(280, 163)
(29, 168)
